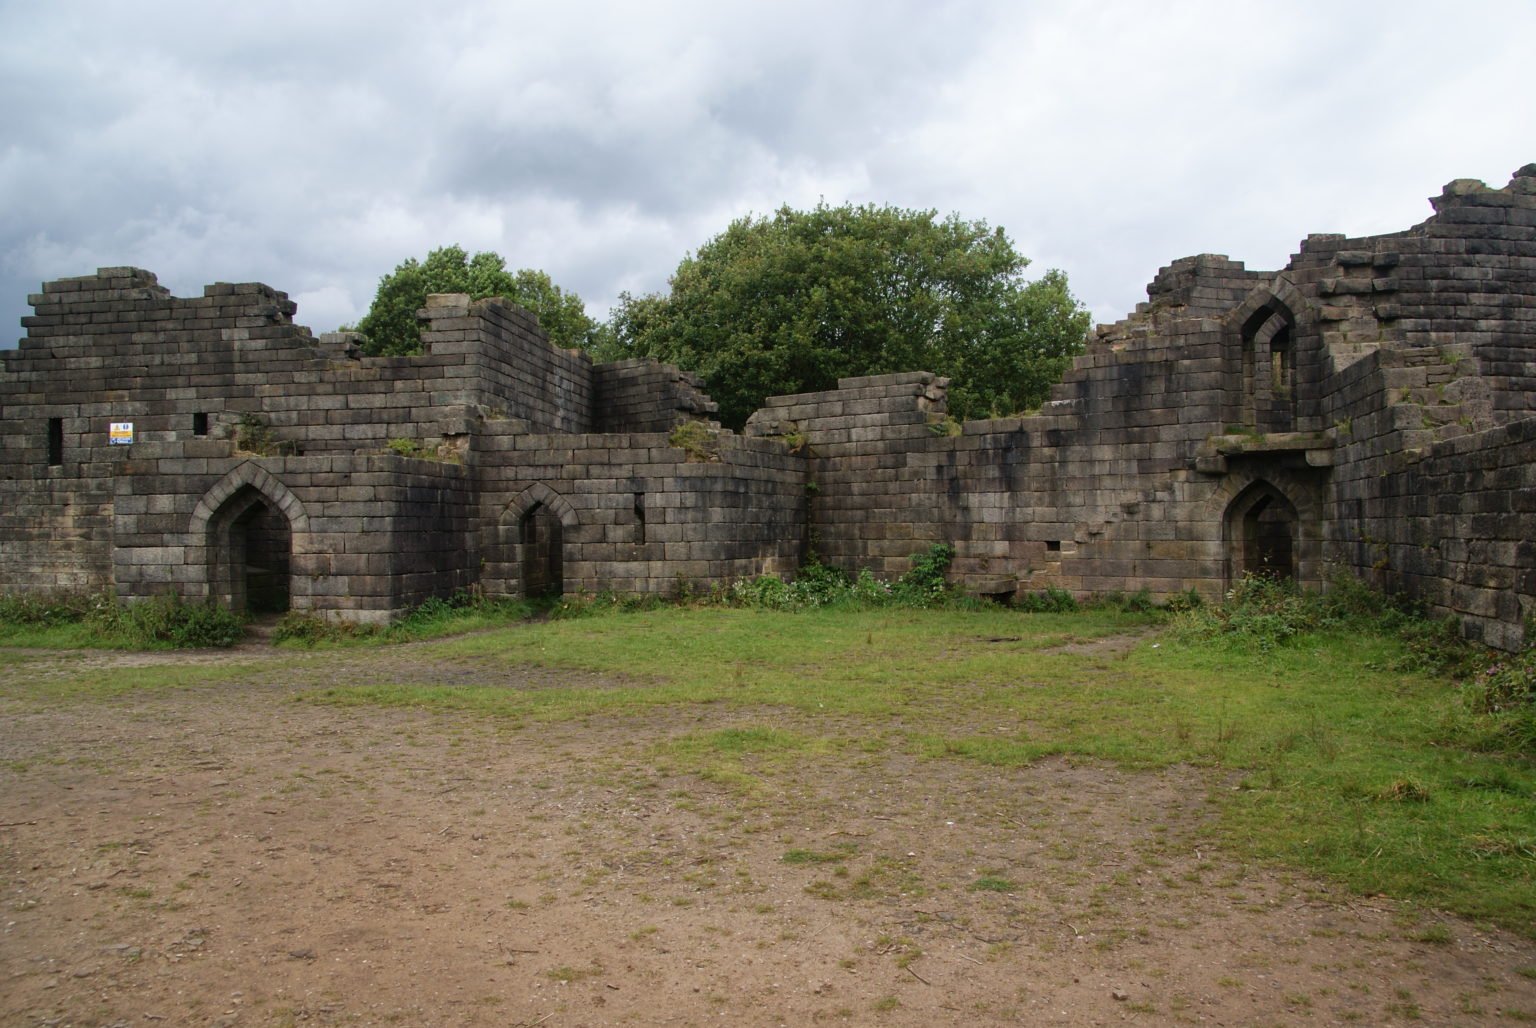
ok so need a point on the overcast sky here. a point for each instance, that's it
(314, 145)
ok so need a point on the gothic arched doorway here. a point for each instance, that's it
(250, 548)
(1262, 534)
(523, 554)
(540, 549)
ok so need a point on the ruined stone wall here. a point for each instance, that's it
(1432, 336)
(863, 442)
(640, 516)
(641, 395)
(1462, 282)
(1424, 504)
(213, 381)
(115, 347)
(1469, 548)
(1362, 410)
(372, 535)
(1099, 492)
(499, 359)
(1315, 388)
(56, 536)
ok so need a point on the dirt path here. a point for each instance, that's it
(227, 856)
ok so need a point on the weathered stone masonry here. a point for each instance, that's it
(259, 450)
(1369, 408)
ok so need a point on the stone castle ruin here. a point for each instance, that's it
(1367, 409)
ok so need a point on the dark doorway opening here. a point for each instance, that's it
(268, 547)
(1269, 546)
(252, 545)
(1262, 527)
(540, 546)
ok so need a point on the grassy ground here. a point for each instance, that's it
(1337, 764)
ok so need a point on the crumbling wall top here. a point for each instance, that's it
(1474, 192)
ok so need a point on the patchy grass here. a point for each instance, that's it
(992, 884)
(871, 663)
(106, 683)
(434, 618)
(1340, 765)
(1338, 762)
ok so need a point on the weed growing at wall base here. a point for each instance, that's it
(820, 585)
(1267, 612)
(99, 621)
(50, 609)
(168, 621)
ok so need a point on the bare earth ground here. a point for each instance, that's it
(227, 856)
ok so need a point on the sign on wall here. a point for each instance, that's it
(121, 433)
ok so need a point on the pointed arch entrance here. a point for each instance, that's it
(541, 549)
(527, 555)
(247, 524)
(1263, 534)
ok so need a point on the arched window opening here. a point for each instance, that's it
(1269, 371)
(1281, 364)
(523, 553)
(540, 544)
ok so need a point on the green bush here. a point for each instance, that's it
(168, 621)
(867, 590)
(1497, 708)
(582, 605)
(1504, 685)
(1189, 599)
(925, 585)
(1267, 612)
(306, 629)
(767, 592)
(159, 622)
(434, 616)
(820, 585)
(1138, 602)
(1261, 610)
(1054, 600)
(51, 609)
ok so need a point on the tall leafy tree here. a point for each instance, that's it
(793, 302)
(390, 327)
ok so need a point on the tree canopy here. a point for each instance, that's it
(390, 327)
(793, 302)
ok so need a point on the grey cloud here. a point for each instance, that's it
(314, 146)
